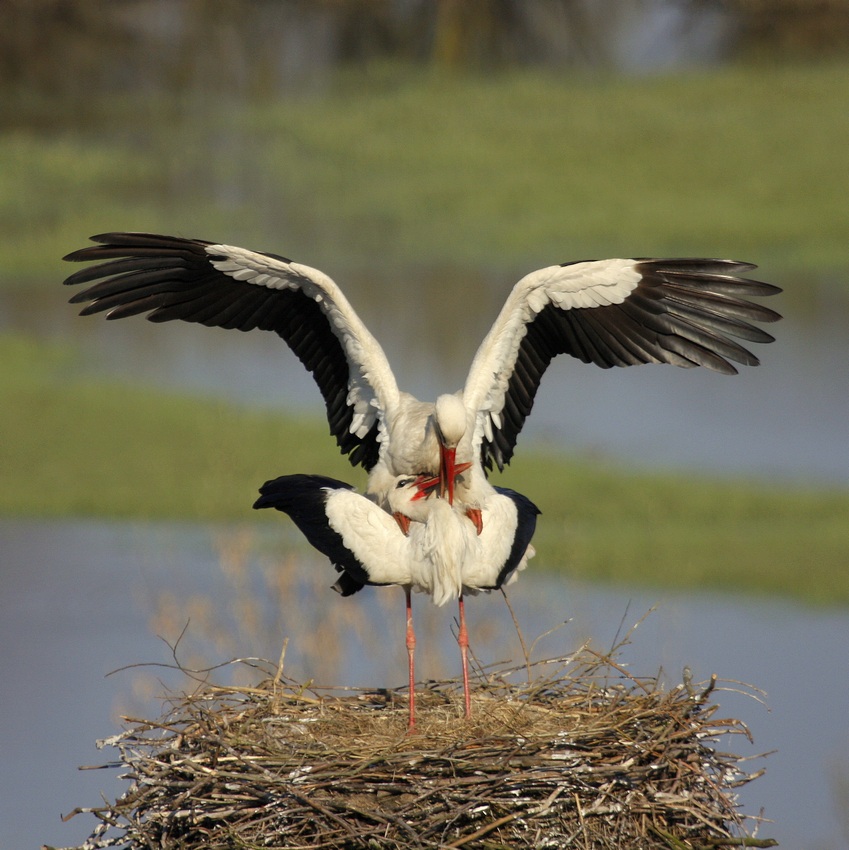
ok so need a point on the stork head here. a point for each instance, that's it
(407, 499)
(449, 419)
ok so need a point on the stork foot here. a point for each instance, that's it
(476, 516)
(403, 522)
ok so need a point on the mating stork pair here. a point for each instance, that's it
(618, 312)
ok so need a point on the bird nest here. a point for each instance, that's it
(570, 752)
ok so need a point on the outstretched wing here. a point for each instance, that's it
(686, 312)
(223, 286)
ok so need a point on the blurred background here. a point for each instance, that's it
(426, 155)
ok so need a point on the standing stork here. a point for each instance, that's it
(618, 312)
(424, 544)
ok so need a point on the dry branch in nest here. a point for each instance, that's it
(582, 756)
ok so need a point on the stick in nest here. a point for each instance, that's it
(581, 754)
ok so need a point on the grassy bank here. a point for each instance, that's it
(71, 447)
(515, 169)
(396, 168)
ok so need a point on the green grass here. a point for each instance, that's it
(72, 447)
(740, 162)
(400, 166)
(608, 524)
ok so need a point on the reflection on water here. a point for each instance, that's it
(83, 599)
(787, 418)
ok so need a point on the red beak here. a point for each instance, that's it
(447, 472)
(427, 485)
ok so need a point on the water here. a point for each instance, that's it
(83, 599)
(79, 599)
(785, 420)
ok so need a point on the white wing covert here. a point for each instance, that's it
(619, 312)
(224, 286)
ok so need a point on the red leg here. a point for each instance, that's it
(411, 648)
(463, 641)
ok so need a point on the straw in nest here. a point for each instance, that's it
(582, 755)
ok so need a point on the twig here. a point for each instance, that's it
(584, 754)
(525, 653)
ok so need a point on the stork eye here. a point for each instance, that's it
(404, 482)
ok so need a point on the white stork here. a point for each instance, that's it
(425, 544)
(617, 312)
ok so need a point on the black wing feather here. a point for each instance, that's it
(526, 523)
(685, 312)
(171, 278)
(303, 498)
